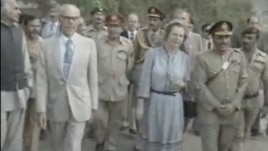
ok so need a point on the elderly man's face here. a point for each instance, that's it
(69, 20)
(254, 23)
(133, 22)
(12, 12)
(53, 14)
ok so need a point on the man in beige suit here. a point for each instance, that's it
(220, 79)
(114, 62)
(67, 83)
(16, 77)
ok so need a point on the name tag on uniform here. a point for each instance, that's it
(225, 65)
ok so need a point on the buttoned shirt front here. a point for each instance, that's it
(114, 63)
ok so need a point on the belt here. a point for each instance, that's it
(164, 93)
(251, 96)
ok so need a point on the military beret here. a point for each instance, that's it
(222, 28)
(96, 10)
(154, 12)
(114, 19)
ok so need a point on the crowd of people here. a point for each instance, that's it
(63, 78)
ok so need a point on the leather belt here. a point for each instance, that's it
(251, 96)
(164, 93)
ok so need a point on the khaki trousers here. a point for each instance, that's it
(217, 137)
(108, 122)
(12, 123)
(66, 136)
(32, 131)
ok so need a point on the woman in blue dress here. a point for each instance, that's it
(165, 73)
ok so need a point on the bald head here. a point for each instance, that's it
(253, 22)
(133, 21)
(183, 16)
(10, 11)
(69, 9)
(69, 19)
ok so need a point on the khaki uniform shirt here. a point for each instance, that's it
(142, 44)
(93, 33)
(228, 87)
(257, 70)
(114, 64)
(34, 49)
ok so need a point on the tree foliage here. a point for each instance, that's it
(202, 11)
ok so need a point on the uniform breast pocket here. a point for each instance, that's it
(122, 55)
(258, 67)
(235, 66)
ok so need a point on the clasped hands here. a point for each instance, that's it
(226, 110)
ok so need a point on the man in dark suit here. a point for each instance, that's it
(132, 27)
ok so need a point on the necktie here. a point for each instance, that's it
(209, 45)
(153, 37)
(131, 35)
(68, 56)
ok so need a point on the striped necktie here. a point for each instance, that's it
(68, 56)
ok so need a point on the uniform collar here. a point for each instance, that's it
(119, 42)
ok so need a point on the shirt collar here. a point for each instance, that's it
(8, 25)
(120, 40)
(65, 39)
(134, 32)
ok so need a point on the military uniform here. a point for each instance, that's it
(145, 40)
(31, 129)
(95, 34)
(258, 72)
(226, 88)
(114, 63)
(92, 32)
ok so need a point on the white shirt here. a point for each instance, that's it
(130, 32)
(63, 42)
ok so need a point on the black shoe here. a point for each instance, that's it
(196, 133)
(255, 133)
(99, 147)
(132, 131)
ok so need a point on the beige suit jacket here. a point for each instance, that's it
(73, 98)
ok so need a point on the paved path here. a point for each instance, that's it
(191, 143)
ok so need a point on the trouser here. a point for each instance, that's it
(136, 111)
(108, 123)
(126, 109)
(247, 115)
(32, 131)
(12, 123)
(66, 136)
(217, 137)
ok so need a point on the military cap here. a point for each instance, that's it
(114, 19)
(154, 12)
(96, 10)
(222, 28)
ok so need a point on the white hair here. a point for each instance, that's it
(68, 6)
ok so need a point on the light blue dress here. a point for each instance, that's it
(163, 121)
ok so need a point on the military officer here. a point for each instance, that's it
(114, 63)
(258, 73)
(97, 29)
(146, 38)
(220, 79)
